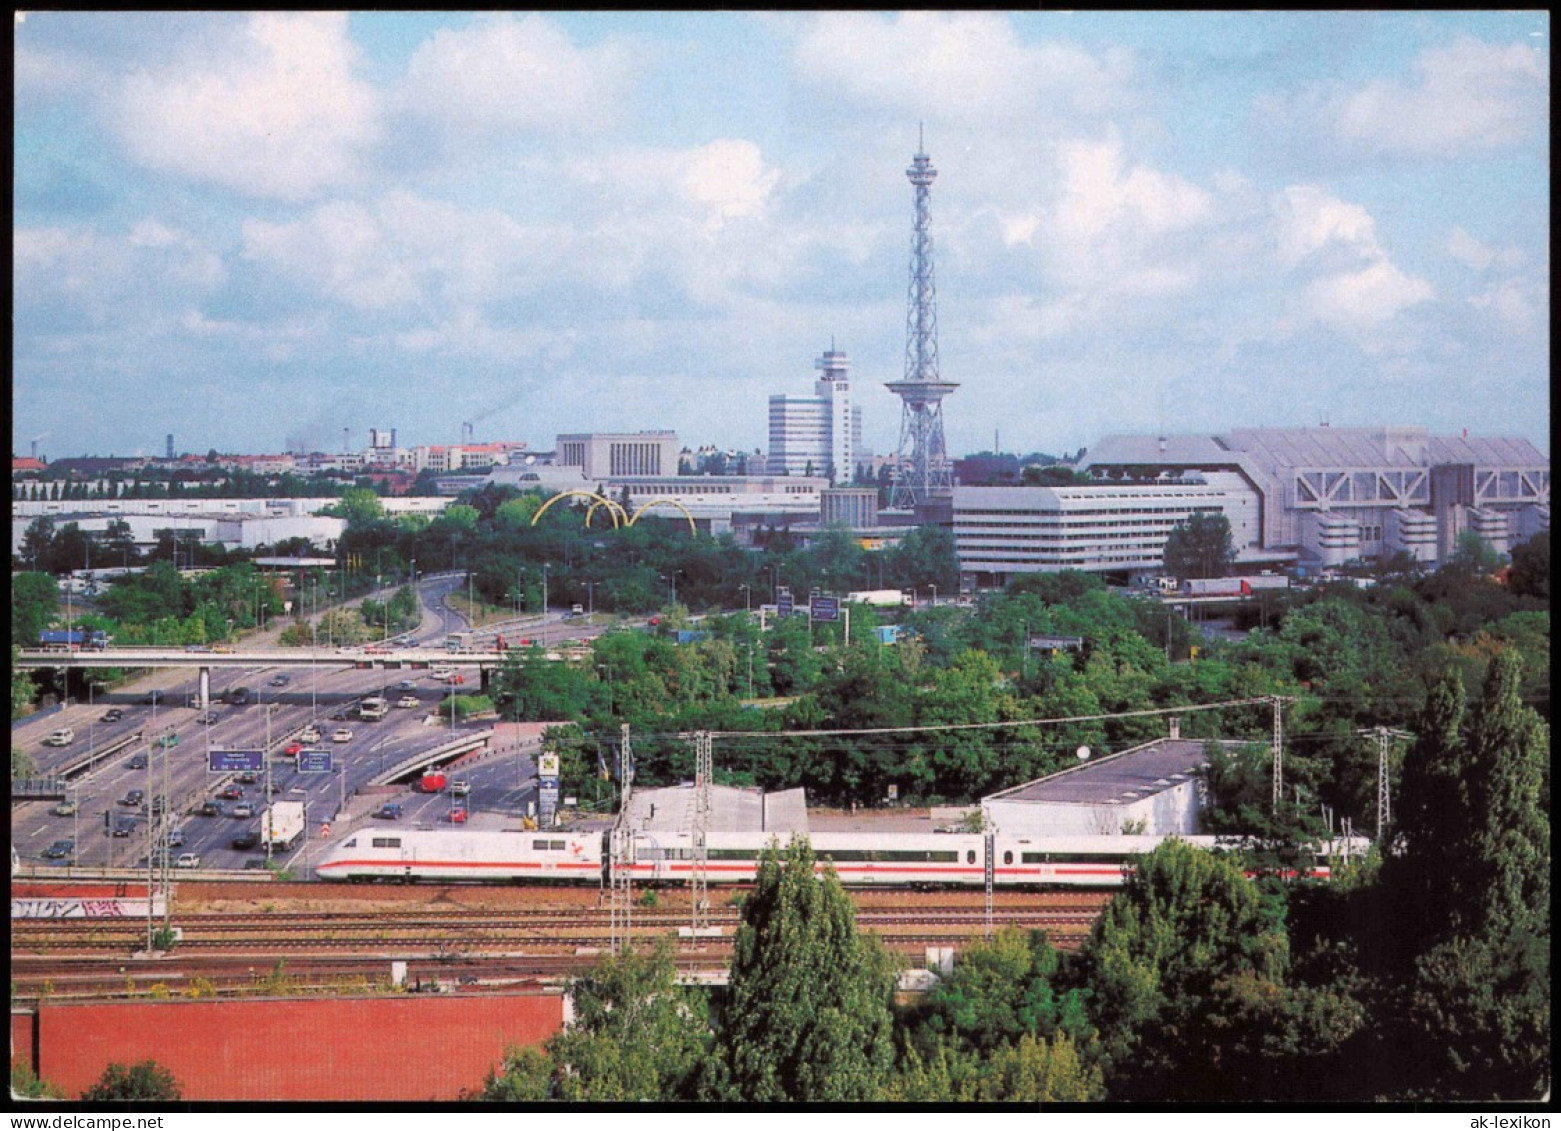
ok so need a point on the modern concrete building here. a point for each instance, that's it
(620, 455)
(671, 810)
(1325, 494)
(821, 434)
(1119, 528)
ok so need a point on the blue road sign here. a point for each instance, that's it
(825, 608)
(783, 606)
(314, 761)
(225, 761)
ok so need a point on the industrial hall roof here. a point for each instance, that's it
(731, 810)
(1120, 779)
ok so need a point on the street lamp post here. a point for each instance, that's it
(934, 596)
(747, 598)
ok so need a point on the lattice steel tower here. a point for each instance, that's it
(922, 469)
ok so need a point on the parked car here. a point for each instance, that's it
(310, 734)
(65, 809)
(59, 850)
(246, 840)
(341, 734)
(112, 715)
(137, 762)
(64, 736)
(407, 701)
(134, 797)
(243, 809)
(390, 811)
(187, 860)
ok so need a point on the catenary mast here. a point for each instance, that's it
(922, 468)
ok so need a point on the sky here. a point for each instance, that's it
(258, 231)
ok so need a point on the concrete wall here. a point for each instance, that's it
(398, 1048)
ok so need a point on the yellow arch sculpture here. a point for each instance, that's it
(620, 516)
(692, 529)
(612, 508)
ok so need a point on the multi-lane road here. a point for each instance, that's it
(176, 735)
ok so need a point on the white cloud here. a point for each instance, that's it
(1101, 192)
(1353, 283)
(504, 74)
(103, 271)
(282, 116)
(342, 250)
(962, 64)
(729, 178)
(1473, 254)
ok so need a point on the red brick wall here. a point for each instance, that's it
(21, 1038)
(406, 1048)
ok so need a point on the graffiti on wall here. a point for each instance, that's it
(84, 908)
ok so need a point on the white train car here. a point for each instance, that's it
(493, 857)
(860, 859)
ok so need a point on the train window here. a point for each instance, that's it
(970, 856)
(1008, 858)
(353, 843)
(1029, 858)
(387, 842)
(556, 845)
(539, 846)
(734, 854)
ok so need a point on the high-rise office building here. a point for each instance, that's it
(821, 434)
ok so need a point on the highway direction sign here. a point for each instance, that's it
(825, 608)
(226, 761)
(314, 761)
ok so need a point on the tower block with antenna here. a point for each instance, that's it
(922, 469)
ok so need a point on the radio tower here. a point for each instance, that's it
(922, 469)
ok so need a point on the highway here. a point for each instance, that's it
(319, 689)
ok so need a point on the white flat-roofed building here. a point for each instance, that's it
(1156, 789)
(618, 455)
(732, 810)
(1120, 528)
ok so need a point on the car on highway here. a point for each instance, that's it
(207, 719)
(460, 788)
(441, 672)
(455, 677)
(65, 809)
(152, 697)
(243, 809)
(187, 860)
(390, 811)
(310, 734)
(137, 762)
(64, 736)
(246, 778)
(231, 792)
(59, 850)
(458, 816)
(133, 798)
(124, 828)
(159, 804)
(246, 840)
(341, 734)
(167, 740)
(281, 680)
(175, 837)
(406, 685)
(292, 749)
(112, 715)
(407, 701)
(211, 809)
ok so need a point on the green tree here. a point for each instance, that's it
(636, 1036)
(1186, 923)
(1199, 547)
(359, 506)
(145, 1081)
(35, 599)
(808, 1016)
(1041, 1070)
(1530, 576)
(25, 1084)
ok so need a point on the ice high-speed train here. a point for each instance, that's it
(859, 858)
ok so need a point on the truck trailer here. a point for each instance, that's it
(881, 598)
(282, 825)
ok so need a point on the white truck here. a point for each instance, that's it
(882, 598)
(282, 824)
